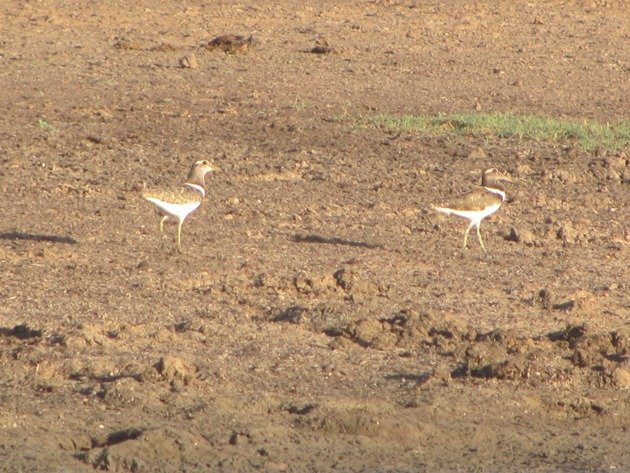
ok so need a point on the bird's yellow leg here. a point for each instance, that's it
(466, 235)
(479, 236)
(164, 219)
(179, 235)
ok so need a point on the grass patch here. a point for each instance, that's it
(45, 125)
(300, 105)
(588, 134)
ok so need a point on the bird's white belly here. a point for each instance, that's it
(179, 211)
(472, 215)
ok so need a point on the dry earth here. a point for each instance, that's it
(321, 317)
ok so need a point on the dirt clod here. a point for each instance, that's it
(230, 43)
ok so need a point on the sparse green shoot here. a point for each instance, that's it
(45, 125)
(299, 105)
(587, 133)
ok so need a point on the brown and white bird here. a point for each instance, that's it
(480, 202)
(179, 202)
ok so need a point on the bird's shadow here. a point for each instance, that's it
(15, 235)
(334, 241)
(21, 332)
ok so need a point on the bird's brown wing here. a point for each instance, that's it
(178, 195)
(477, 199)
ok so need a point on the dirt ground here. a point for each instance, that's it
(322, 317)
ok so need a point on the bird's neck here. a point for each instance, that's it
(196, 179)
(490, 183)
(196, 187)
(498, 192)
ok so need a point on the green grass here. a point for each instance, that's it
(299, 105)
(588, 134)
(45, 125)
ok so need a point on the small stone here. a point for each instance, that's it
(321, 49)
(367, 330)
(73, 341)
(189, 62)
(621, 378)
(521, 236)
(170, 368)
(233, 201)
(81, 443)
(567, 234)
(231, 43)
(477, 154)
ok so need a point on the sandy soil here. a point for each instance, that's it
(321, 317)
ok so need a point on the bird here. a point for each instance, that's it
(179, 202)
(480, 202)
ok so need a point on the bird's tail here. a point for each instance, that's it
(444, 210)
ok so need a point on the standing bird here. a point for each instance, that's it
(179, 202)
(480, 202)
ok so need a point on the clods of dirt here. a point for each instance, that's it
(230, 43)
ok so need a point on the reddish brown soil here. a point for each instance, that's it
(322, 316)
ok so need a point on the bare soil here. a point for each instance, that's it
(321, 316)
